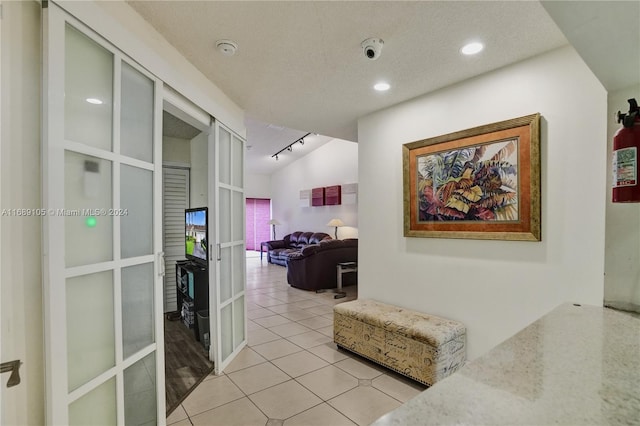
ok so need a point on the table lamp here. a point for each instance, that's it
(273, 224)
(336, 223)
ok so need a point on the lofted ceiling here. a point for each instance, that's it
(300, 66)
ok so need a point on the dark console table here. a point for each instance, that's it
(192, 283)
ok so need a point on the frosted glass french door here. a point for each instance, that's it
(101, 221)
(228, 265)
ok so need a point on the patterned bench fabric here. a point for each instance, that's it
(423, 347)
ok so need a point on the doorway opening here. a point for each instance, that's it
(258, 214)
(184, 141)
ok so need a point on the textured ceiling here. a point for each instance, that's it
(300, 65)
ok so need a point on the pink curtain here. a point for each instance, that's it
(258, 216)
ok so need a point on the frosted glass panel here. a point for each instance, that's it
(90, 327)
(225, 215)
(140, 392)
(88, 94)
(238, 161)
(226, 327)
(239, 256)
(137, 308)
(225, 274)
(98, 407)
(225, 156)
(238, 215)
(136, 115)
(136, 222)
(87, 199)
(238, 317)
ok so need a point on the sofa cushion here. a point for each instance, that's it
(304, 239)
(317, 237)
(330, 244)
(283, 253)
(309, 250)
(292, 238)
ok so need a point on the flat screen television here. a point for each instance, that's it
(196, 234)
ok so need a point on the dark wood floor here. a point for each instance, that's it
(186, 362)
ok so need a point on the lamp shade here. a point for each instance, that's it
(273, 222)
(335, 222)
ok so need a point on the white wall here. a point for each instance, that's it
(176, 150)
(257, 186)
(198, 177)
(622, 253)
(21, 320)
(494, 287)
(335, 163)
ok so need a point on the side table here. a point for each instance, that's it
(342, 268)
(264, 244)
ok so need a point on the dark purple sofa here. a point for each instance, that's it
(278, 251)
(314, 267)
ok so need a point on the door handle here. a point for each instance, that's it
(161, 266)
(12, 367)
(219, 252)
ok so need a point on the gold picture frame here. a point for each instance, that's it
(479, 183)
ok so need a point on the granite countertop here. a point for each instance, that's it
(577, 365)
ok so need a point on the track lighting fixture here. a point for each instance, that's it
(290, 146)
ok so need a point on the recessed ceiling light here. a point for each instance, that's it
(94, 101)
(381, 87)
(472, 48)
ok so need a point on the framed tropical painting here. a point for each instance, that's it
(480, 183)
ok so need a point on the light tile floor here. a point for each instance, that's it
(291, 372)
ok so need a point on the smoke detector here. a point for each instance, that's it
(226, 47)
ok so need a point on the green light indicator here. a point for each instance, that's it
(91, 221)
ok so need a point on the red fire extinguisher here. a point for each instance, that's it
(626, 144)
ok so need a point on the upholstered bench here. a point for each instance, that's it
(423, 347)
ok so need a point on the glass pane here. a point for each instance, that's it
(137, 308)
(224, 160)
(226, 318)
(225, 215)
(98, 407)
(239, 256)
(238, 214)
(88, 94)
(225, 274)
(136, 220)
(136, 115)
(238, 318)
(87, 198)
(238, 161)
(90, 327)
(140, 392)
